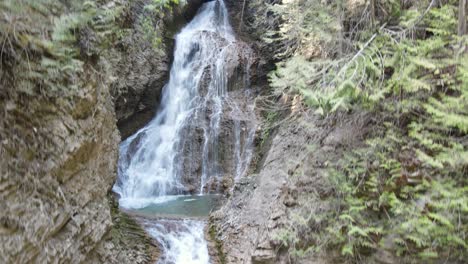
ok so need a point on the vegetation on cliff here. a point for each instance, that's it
(50, 42)
(405, 190)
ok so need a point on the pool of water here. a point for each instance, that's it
(181, 206)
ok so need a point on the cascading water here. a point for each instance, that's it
(181, 151)
(182, 241)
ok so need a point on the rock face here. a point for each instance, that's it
(248, 225)
(141, 72)
(251, 19)
(58, 163)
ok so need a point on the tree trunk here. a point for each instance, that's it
(341, 37)
(373, 11)
(462, 17)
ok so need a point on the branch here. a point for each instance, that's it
(359, 53)
(419, 19)
(242, 16)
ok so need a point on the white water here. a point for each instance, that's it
(150, 165)
(182, 241)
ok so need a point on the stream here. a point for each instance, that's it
(172, 171)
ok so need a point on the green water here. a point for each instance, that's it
(197, 206)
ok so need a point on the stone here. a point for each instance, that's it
(264, 256)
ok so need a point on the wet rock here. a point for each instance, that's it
(226, 183)
(264, 256)
(227, 154)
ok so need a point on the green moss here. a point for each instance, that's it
(270, 119)
(126, 232)
(218, 244)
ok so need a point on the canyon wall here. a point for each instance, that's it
(58, 134)
(58, 163)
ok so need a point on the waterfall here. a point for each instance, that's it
(180, 151)
(182, 240)
(150, 163)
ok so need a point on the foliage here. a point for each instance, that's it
(390, 197)
(405, 191)
(161, 5)
(45, 44)
(270, 119)
(150, 23)
(307, 25)
(41, 41)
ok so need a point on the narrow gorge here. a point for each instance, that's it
(233, 131)
(199, 142)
